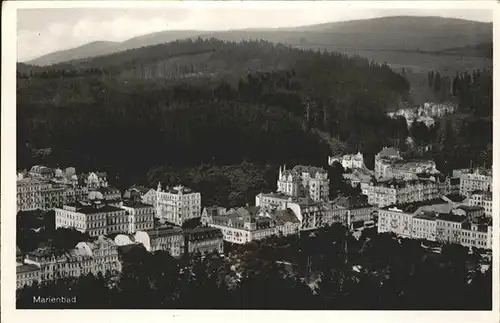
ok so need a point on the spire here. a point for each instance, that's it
(159, 187)
(280, 173)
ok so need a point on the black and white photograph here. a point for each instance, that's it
(319, 157)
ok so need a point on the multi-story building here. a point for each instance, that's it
(477, 233)
(107, 193)
(94, 180)
(203, 240)
(313, 215)
(177, 205)
(348, 161)
(359, 176)
(471, 212)
(99, 256)
(96, 218)
(483, 199)
(385, 193)
(358, 209)
(244, 225)
(167, 238)
(304, 181)
(140, 216)
(272, 201)
(39, 194)
(449, 227)
(26, 275)
(41, 172)
(393, 219)
(145, 194)
(389, 164)
(475, 180)
(424, 226)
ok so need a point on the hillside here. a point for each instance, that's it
(93, 49)
(116, 109)
(430, 34)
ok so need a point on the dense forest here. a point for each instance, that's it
(115, 119)
(331, 270)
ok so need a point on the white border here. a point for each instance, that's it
(8, 198)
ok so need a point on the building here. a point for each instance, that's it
(166, 238)
(424, 226)
(40, 194)
(393, 219)
(359, 176)
(177, 205)
(41, 172)
(96, 218)
(313, 215)
(304, 181)
(358, 210)
(389, 164)
(386, 193)
(203, 240)
(272, 201)
(475, 180)
(145, 194)
(99, 256)
(470, 212)
(449, 228)
(106, 193)
(94, 180)
(477, 233)
(348, 161)
(483, 199)
(140, 216)
(26, 275)
(244, 225)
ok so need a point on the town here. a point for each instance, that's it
(409, 198)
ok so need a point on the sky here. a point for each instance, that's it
(44, 30)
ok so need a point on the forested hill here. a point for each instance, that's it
(429, 34)
(191, 102)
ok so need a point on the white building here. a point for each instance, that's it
(348, 161)
(482, 199)
(475, 180)
(385, 193)
(304, 181)
(177, 205)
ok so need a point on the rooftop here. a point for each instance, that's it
(388, 152)
(413, 207)
(426, 215)
(164, 231)
(24, 268)
(468, 208)
(451, 217)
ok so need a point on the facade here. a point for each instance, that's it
(272, 201)
(41, 172)
(40, 194)
(348, 161)
(304, 181)
(475, 180)
(483, 199)
(107, 193)
(358, 209)
(177, 205)
(393, 219)
(424, 226)
(477, 233)
(26, 275)
(169, 239)
(203, 240)
(313, 215)
(99, 256)
(140, 216)
(146, 195)
(471, 212)
(95, 218)
(449, 228)
(385, 193)
(94, 180)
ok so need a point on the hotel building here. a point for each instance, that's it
(169, 239)
(177, 205)
(472, 181)
(304, 181)
(203, 240)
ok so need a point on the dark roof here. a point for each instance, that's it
(129, 247)
(136, 204)
(311, 170)
(284, 216)
(26, 268)
(92, 208)
(426, 216)
(164, 231)
(468, 208)
(388, 152)
(451, 217)
(412, 207)
(457, 198)
(203, 232)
